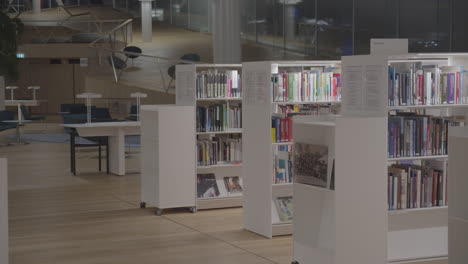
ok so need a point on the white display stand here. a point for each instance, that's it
(3, 211)
(260, 215)
(361, 156)
(167, 163)
(34, 90)
(186, 96)
(457, 195)
(329, 225)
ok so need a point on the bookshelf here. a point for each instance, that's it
(3, 211)
(214, 89)
(264, 192)
(403, 234)
(458, 219)
(167, 170)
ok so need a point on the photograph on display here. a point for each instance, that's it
(206, 186)
(311, 164)
(284, 207)
(233, 185)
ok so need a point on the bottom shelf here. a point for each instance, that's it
(282, 229)
(220, 202)
(418, 235)
(417, 244)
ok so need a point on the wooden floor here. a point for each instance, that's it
(56, 218)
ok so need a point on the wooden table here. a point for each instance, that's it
(115, 132)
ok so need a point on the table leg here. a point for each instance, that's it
(117, 153)
(100, 156)
(18, 138)
(72, 153)
(107, 155)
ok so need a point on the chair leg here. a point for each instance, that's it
(107, 155)
(100, 156)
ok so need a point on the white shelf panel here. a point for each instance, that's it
(307, 103)
(219, 99)
(237, 131)
(219, 202)
(228, 165)
(416, 210)
(403, 107)
(419, 158)
(417, 244)
(282, 143)
(282, 229)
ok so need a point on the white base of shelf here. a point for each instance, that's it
(416, 210)
(403, 107)
(220, 202)
(419, 158)
(220, 166)
(282, 229)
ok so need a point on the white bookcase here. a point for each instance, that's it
(3, 211)
(166, 167)
(402, 235)
(458, 214)
(186, 95)
(260, 190)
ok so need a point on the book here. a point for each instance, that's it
(218, 150)
(411, 135)
(415, 84)
(218, 117)
(311, 164)
(218, 84)
(417, 186)
(282, 171)
(233, 185)
(314, 85)
(284, 207)
(207, 186)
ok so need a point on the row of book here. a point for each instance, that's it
(282, 169)
(417, 84)
(218, 117)
(413, 186)
(207, 185)
(315, 85)
(219, 150)
(281, 121)
(214, 84)
(411, 135)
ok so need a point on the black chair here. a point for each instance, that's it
(171, 71)
(7, 115)
(27, 115)
(132, 116)
(66, 108)
(136, 52)
(100, 114)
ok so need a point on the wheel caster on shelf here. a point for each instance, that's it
(193, 210)
(295, 262)
(142, 205)
(158, 212)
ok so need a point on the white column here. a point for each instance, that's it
(36, 6)
(146, 21)
(225, 24)
(2, 93)
(289, 21)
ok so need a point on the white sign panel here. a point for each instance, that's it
(365, 86)
(389, 46)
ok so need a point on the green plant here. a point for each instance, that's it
(10, 32)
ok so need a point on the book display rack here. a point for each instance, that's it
(215, 92)
(406, 105)
(275, 92)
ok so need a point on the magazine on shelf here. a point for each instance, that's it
(284, 206)
(233, 185)
(207, 186)
(311, 164)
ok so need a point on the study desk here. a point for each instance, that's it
(115, 132)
